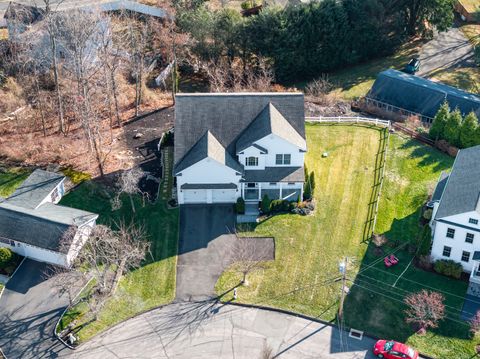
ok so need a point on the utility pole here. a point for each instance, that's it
(343, 270)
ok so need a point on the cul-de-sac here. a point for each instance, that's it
(250, 179)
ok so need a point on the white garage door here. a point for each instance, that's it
(195, 195)
(224, 195)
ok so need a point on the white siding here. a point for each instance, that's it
(39, 254)
(252, 152)
(276, 145)
(79, 241)
(457, 243)
(60, 190)
(205, 172)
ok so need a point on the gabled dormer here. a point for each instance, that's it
(270, 140)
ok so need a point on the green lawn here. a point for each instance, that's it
(308, 249)
(11, 179)
(149, 286)
(356, 81)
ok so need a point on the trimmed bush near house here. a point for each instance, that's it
(240, 205)
(427, 214)
(448, 267)
(280, 205)
(265, 205)
(6, 257)
(425, 241)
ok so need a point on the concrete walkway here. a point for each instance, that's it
(446, 50)
(210, 330)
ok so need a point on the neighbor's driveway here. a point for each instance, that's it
(210, 330)
(29, 309)
(446, 50)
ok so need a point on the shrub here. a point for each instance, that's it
(427, 214)
(379, 240)
(6, 257)
(425, 241)
(240, 205)
(448, 267)
(265, 205)
(425, 262)
(279, 205)
(76, 176)
(248, 4)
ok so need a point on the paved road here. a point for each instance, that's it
(29, 309)
(446, 50)
(209, 330)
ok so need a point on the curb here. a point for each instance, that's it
(63, 313)
(306, 317)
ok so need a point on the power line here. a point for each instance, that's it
(400, 301)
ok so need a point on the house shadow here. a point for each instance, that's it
(435, 158)
(375, 300)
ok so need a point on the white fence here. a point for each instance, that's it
(342, 119)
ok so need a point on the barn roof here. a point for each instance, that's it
(419, 95)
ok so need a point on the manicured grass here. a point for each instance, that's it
(149, 286)
(11, 179)
(308, 249)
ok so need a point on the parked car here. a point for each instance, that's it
(389, 349)
(412, 66)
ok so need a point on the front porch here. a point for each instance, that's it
(254, 191)
(471, 303)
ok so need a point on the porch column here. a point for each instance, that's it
(242, 188)
(259, 191)
(281, 185)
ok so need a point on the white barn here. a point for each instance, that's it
(456, 213)
(33, 225)
(230, 145)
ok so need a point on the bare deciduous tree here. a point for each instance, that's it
(249, 255)
(128, 183)
(425, 309)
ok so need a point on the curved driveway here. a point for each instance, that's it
(213, 330)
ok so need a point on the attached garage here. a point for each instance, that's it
(195, 195)
(209, 193)
(224, 195)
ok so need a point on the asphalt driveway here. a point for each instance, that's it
(449, 49)
(205, 249)
(29, 309)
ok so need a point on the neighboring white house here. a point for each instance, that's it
(34, 226)
(239, 145)
(456, 213)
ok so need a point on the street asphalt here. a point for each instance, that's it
(449, 49)
(212, 330)
(29, 309)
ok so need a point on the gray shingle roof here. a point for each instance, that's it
(42, 227)
(227, 115)
(35, 189)
(25, 14)
(267, 122)
(462, 189)
(275, 174)
(134, 7)
(442, 182)
(208, 146)
(419, 95)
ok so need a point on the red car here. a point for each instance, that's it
(390, 349)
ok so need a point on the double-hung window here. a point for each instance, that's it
(465, 256)
(450, 233)
(251, 161)
(469, 238)
(473, 221)
(446, 251)
(283, 159)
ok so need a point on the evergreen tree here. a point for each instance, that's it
(311, 179)
(452, 128)
(468, 131)
(439, 121)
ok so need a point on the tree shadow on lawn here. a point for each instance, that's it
(429, 155)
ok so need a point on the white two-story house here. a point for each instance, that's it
(456, 213)
(231, 145)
